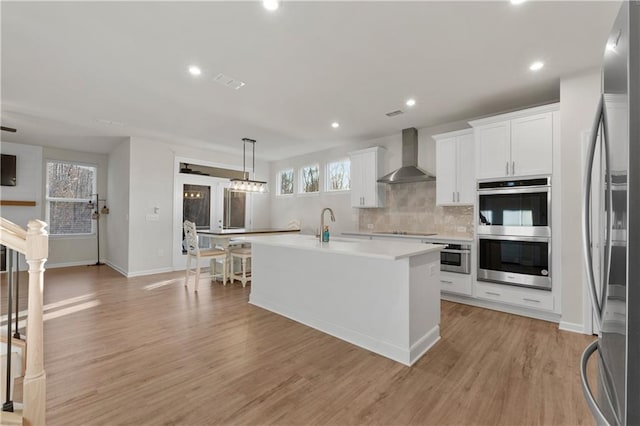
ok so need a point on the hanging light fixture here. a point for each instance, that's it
(245, 184)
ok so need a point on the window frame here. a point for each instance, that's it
(327, 176)
(279, 182)
(301, 190)
(48, 199)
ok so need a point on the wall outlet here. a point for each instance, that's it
(461, 229)
(153, 217)
(369, 225)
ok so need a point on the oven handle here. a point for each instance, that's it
(518, 190)
(456, 251)
(515, 238)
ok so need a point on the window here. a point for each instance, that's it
(310, 179)
(285, 182)
(69, 189)
(339, 175)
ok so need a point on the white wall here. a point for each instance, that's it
(28, 185)
(67, 250)
(579, 98)
(117, 225)
(151, 185)
(306, 208)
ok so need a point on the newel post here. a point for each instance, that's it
(34, 389)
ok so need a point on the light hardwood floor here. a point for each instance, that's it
(134, 351)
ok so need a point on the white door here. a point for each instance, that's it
(531, 145)
(446, 161)
(201, 200)
(493, 150)
(466, 173)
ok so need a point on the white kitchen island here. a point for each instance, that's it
(381, 295)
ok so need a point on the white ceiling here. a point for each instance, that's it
(67, 65)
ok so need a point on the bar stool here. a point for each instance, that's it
(193, 250)
(243, 254)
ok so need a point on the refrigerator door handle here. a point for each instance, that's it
(586, 215)
(609, 200)
(591, 402)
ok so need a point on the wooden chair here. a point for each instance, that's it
(194, 251)
(243, 254)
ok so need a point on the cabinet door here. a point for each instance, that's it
(531, 145)
(356, 180)
(370, 179)
(493, 150)
(466, 176)
(446, 171)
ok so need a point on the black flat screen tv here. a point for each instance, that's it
(8, 170)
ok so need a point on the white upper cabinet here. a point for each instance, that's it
(515, 144)
(366, 168)
(455, 177)
(493, 150)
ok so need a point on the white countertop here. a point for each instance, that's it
(437, 237)
(390, 250)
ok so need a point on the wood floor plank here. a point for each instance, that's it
(146, 351)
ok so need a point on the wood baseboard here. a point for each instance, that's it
(17, 203)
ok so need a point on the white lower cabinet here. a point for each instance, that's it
(520, 296)
(452, 282)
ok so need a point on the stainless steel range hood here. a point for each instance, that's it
(409, 172)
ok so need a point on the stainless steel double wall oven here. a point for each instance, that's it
(514, 232)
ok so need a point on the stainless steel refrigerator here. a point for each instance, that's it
(611, 214)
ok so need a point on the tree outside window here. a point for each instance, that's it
(339, 175)
(286, 182)
(310, 178)
(69, 189)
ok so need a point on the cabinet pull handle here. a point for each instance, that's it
(446, 282)
(530, 300)
(453, 197)
(513, 168)
(506, 168)
(492, 293)
(458, 194)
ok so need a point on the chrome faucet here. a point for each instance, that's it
(333, 219)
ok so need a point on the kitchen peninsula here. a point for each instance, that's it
(383, 296)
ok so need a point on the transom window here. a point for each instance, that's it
(339, 175)
(70, 187)
(310, 179)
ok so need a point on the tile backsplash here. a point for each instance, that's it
(412, 207)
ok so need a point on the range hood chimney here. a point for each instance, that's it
(409, 172)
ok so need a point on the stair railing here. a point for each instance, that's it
(34, 244)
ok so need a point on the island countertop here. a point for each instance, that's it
(390, 250)
(246, 231)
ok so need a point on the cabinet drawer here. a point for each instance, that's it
(536, 299)
(455, 283)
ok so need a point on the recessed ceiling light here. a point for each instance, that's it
(335, 124)
(271, 4)
(536, 66)
(194, 70)
(410, 102)
(517, 1)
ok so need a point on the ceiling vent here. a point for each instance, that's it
(394, 113)
(227, 81)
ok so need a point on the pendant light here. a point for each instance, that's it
(245, 184)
